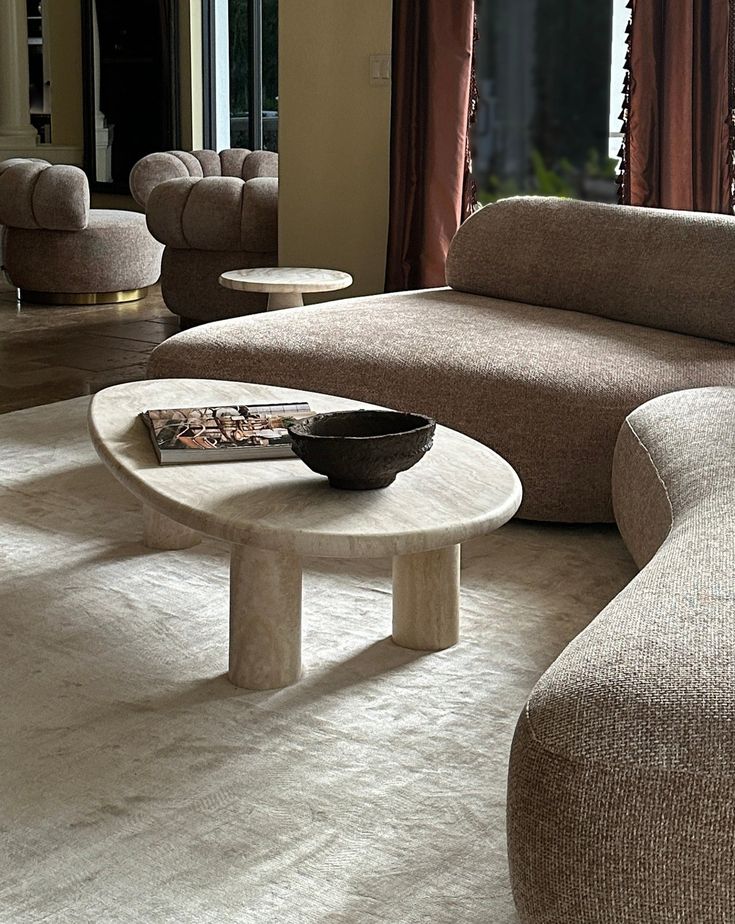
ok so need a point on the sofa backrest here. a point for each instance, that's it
(215, 213)
(35, 194)
(666, 269)
(241, 163)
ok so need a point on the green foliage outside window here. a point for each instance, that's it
(563, 180)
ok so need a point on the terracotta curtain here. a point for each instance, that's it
(678, 146)
(432, 81)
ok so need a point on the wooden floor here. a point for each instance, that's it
(52, 353)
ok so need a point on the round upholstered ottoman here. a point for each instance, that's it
(58, 250)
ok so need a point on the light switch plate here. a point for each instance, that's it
(380, 68)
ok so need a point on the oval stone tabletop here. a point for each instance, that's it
(285, 279)
(460, 489)
(273, 512)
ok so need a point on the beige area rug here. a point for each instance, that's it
(137, 785)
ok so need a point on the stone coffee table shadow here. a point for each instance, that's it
(273, 512)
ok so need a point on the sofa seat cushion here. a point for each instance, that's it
(546, 388)
(115, 252)
(627, 743)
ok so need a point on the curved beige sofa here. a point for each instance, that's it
(621, 796)
(560, 318)
(214, 211)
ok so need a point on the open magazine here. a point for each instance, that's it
(223, 434)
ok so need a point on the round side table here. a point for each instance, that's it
(285, 285)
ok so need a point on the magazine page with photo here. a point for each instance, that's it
(225, 433)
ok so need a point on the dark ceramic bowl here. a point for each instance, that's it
(362, 450)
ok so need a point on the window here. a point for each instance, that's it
(621, 15)
(241, 74)
(544, 118)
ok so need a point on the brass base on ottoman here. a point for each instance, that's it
(83, 298)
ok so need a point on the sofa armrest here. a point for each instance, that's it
(153, 169)
(259, 223)
(35, 194)
(215, 213)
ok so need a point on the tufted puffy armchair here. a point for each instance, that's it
(214, 212)
(57, 250)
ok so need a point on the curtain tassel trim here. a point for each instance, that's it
(469, 192)
(731, 113)
(623, 178)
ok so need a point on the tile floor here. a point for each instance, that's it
(52, 353)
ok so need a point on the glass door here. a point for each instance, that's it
(241, 74)
(543, 118)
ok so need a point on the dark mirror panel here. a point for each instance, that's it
(131, 99)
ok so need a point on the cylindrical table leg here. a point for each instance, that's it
(426, 599)
(160, 532)
(265, 618)
(284, 300)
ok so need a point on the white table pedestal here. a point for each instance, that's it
(265, 618)
(426, 599)
(278, 300)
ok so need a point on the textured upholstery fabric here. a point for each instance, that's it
(54, 243)
(546, 388)
(4, 164)
(114, 252)
(190, 283)
(215, 213)
(259, 229)
(193, 164)
(640, 498)
(35, 194)
(16, 191)
(233, 161)
(621, 797)
(154, 169)
(260, 163)
(197, 214)
(241, 163)
(665, 269)
(210, 162)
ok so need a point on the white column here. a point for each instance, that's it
(16, 132)
(103, 148)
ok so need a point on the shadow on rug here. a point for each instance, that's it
(138, 785)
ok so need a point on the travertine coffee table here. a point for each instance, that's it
(285, 285)
(274, 511)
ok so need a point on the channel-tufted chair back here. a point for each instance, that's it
(213, 212)
(241, 163)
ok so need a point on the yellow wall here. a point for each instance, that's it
(190, 74)
(63, 21)
(334, 137)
